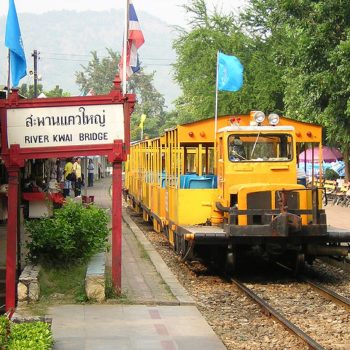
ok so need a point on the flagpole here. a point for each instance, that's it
(9, 75)
(216, 107)
(125, 51)
(216, 94)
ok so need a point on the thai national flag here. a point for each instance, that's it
(135, 40)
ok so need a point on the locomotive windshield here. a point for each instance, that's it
(260, 147)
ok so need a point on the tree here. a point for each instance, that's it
(314, 46)
(56, 92)
(195, 69)
(99, 75)
(28, 91)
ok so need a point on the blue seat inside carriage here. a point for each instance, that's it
(200, 183)
(214, 178)
(194, 181)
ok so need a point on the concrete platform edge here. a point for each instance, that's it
(168, 277)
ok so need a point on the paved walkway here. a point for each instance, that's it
(163, 318)
(338, 216)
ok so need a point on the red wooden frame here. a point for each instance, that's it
(14, 158)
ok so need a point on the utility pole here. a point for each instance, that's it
(35, 54)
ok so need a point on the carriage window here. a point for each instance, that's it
(260, 147)
(191, 160)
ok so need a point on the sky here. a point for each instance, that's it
(168, 10)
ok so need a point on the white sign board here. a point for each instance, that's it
(65, 126)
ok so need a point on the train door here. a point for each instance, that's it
(221, 167)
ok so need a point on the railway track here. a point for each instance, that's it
(272, 312)
(311, 332)
(321, 322)
(343, 264)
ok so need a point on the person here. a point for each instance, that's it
(91, 168)
(100, 170)
(301, 176)
(79, 180)
(68, 168)
(237, 149)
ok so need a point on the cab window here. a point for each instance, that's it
(261, 147)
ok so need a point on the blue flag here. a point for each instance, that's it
(230, 73)
(13, 41)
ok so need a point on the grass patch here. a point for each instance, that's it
(38, 308)
(63, 284)
(166, 287)
(143, 251)
(112, 294)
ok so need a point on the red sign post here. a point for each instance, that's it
(63, 128)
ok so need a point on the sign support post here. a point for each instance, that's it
(11, 250)
(116, 226)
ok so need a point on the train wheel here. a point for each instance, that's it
(231, 261)
(299, 264)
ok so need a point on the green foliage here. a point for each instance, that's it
(4, 330)
(99, 75)
(110, 291)
(57, 92)
(330, 174)
(68, 281)
(311, 44)
(28, 91)
(30, 336)
(195, 69)
(74, 233)
(25, 336)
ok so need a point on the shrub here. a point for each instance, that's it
(74, 233)
(30, 336)
(4, 330)
(25, 336)
(330, 174)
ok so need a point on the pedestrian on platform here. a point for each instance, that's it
(99, 170)
(79, 180)
(91, 169)
(68, 171)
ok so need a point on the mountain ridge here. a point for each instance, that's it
(65, 39)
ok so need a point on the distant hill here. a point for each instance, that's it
(66, 38)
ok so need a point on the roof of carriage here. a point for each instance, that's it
(203, 130)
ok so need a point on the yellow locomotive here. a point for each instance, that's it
(223, 195)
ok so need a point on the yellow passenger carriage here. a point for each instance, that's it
(220, 196)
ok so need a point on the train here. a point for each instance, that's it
(220, 188)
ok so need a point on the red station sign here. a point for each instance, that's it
(63, 128)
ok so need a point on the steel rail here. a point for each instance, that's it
(328, 293)
(345, 264)
(271, 312)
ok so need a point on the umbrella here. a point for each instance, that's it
(329, 154)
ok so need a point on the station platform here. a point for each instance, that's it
(155, 313)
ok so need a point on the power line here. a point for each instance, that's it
(101, 57)
(87, 61)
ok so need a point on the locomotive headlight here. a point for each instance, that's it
(273, 119)
(259, 117)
